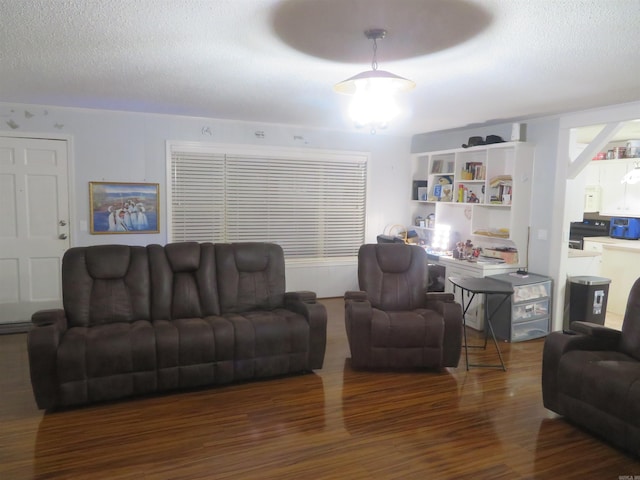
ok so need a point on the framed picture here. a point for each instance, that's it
(124, 207)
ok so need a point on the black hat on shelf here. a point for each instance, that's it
(493, 139)
(473, 142)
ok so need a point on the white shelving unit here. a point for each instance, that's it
(484, 192)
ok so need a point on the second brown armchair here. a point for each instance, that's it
(392, 322)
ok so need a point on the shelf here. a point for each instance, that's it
(498, 176)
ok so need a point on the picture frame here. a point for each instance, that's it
(118, 207)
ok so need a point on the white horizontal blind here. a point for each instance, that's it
(197, 197)
(313, 206)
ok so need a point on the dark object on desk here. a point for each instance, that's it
(593, 378)
(486, 286)
(392, 322)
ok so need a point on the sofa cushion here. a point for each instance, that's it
(194, 352)
(105, 284)
(106, 361)
(269, 343)
(604, 379)
(254, 276)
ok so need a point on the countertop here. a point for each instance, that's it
(573, 253)
(616, 243)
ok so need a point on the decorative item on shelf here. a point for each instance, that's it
(374, 91)
(416, 185)
(473, 142)
(423, 193)
(491, 139)
(501, 186)
(477, 141)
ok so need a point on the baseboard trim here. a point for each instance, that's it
(17, 327)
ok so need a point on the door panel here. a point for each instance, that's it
(35, 214)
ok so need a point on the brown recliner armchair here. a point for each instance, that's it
(392, 322)
(591, 376)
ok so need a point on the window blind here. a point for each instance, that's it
(312, 204)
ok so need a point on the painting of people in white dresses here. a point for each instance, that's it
(124, 207)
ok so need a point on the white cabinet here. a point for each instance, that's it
(489, 186)
(618, 199)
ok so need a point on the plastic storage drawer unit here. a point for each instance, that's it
(525, 315)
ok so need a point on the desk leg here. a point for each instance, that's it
(464, 325)
(487, 317)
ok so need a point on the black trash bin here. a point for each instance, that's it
(588, 299)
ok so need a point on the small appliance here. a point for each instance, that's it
(627, 228)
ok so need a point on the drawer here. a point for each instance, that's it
(530, 330)
(528, 311)
(523, 293)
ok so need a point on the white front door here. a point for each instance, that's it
(34, 225)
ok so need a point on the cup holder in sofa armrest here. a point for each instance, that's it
(55, 316)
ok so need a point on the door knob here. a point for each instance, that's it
(62, 223)
(62, 236)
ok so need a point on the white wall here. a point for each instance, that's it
(130, 147)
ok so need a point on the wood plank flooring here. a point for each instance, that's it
(336, 423)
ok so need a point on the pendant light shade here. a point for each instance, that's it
(374, 91)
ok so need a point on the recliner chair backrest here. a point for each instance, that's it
(183, 279)
(254, 276)
(105, 284)
(630, 343)
(395, 276)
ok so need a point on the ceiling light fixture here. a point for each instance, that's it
(632, 176)
(374, 91)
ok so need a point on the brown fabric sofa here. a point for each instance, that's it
(138, 320)
(392, 322)
(592, 377)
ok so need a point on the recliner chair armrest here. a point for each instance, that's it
(437, 301)
(357, 296)
(440, 297)
(305, 296)
(597, 331)
(42, 347)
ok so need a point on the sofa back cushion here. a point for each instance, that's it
(252, 276)
(394, 275)
(105, 284)
(183, 281)
(630, 343)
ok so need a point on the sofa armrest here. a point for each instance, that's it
(304, 303)
(42, 347)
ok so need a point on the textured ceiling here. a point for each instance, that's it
(474, 61)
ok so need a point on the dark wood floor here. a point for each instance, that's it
(336, 423)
